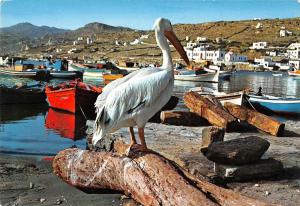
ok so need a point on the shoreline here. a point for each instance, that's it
(174, 142)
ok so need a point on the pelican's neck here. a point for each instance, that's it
(166, 51)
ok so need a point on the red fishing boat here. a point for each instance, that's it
(74, 96)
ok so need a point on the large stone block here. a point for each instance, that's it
(210, 135)
(238, 151)
(264, 168)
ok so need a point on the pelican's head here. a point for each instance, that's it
(164, 27)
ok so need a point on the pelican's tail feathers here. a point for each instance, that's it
(99, 127)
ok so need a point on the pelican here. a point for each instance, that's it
(134, 99)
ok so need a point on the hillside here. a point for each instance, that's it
(236, 35)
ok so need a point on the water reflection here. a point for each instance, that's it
(66, 124)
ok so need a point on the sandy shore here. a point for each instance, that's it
(29, 181)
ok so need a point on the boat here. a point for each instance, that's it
(66, 74)
(33, 73)
(68, 125)
(294, 72)
(275, 104)
(95, 73)
(238, 97)
(22, 95)
(74, 96)
(191, 75)
(111, 77)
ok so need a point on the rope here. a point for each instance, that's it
(83, 112)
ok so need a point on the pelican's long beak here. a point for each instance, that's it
(176, 43)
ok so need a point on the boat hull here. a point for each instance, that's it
(21, 96)
(66, 74)
(280, 105)
(34, 74)
(209, 77)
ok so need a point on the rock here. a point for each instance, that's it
(238, 151)
(210, 135)
(267, 193)
(31, 185)
(262, 169)
(256, 185)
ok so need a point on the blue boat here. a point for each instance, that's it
(276, 104)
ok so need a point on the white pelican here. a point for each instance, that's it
(134, 99)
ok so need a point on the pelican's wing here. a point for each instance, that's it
(114, 84)
(129, 98)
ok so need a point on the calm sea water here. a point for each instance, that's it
(38, 130)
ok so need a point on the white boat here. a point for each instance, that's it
(294, 73)
(237, 98)
(95, 73)
(190, 75)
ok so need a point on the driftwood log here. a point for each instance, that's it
(260, 121)
(146, 177)
(182, 118)
(209, 109)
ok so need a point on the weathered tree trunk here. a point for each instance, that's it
(260, 121)
(206, 108)
(147, 177)
(182, 118)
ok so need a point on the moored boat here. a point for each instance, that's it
(33, 74)
(74, 96)
(191, 75)
(111, 77)
(66, 74)
(238, 97)
(294, 72)
(22, 95)
(276, 104)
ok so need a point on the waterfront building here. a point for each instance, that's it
(283, 32)
(265, 62)
(233, 57)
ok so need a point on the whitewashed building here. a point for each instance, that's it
(89, 40)
(294, 46)
(233, 57)
(198, 54)
(259, 45)
(80, 38)
(266, 62)
(191, 45)
(293, 53)
(201, 39)
(283, 32)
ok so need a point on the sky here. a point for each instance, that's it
(139, 14)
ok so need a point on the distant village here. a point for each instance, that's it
(199, 50)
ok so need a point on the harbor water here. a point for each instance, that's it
(38, 130)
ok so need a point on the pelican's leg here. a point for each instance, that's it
(132, 137)
(142, 138)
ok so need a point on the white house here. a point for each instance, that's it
(80, 38)
(89, 40)
(75, 42)
(293, 53)
(283, 32)
(58, 50)
(201, 39)
(191, 45)
(232, 57)
(187, 38)
(259, 26)
(294, 46)
(135, 42)
(145, 36)
(198, 54)
(295, 64)
(259, 45)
